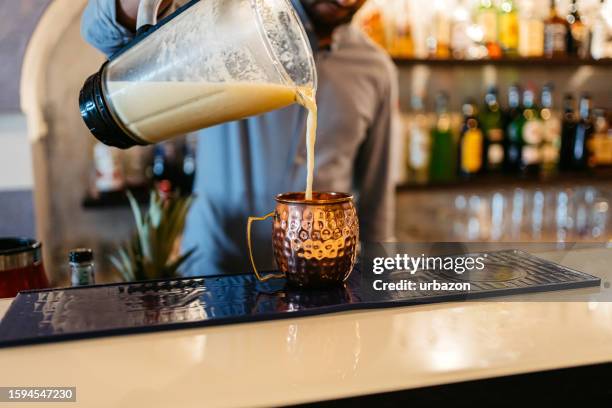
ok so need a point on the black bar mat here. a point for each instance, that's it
(94, 311)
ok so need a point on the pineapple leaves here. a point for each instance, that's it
(152, 252)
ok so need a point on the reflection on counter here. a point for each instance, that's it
(539, 213)
(542, 215)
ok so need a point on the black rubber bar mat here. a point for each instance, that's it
(123, 308)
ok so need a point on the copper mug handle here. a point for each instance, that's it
(261, 278)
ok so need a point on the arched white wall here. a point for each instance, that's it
(58, 16)
(56, 64)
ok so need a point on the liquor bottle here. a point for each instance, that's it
(491, 120)
(532, 135)
(460, 40)
(552, 132)
(513, 126)
(583, 134)
(578, 38)
(531, 32)
(471, 141)
(486, 19)
(600, 147)
(418, 143)
(601, 33)
(556, 32)
(568, 130)
(400, 44)
(508, 28)
(442, 165)
(438, 40)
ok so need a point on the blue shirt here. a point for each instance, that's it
(243, 165)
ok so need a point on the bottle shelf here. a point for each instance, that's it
(111, 199)
(501, 181)
(116, 198)
(509, 62)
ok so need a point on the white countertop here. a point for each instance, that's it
(329, 356)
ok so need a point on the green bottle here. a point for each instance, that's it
(491, 120)
(442, 164)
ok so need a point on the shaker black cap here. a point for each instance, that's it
(98, 118)
(79, 255)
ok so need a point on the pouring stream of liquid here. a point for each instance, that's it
(305, 97)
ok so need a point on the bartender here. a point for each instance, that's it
(242, 165)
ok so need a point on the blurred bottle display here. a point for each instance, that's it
(601, 142)
(513, 125)
(491, 120)
(579, 33)
(442, 165)
(418, 142)
(508, 27)
(551, 132)
(531, 32)
(531, 135)
(475, 29)
(556, 33)
(486, 19)
(471, 141)
(527, 138)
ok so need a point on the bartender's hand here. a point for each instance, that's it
(127, 10)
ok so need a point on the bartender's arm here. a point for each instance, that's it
(110, 24)
(373, 176)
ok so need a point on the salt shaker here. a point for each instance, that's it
(82, 267)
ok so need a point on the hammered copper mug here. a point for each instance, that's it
(314, 241)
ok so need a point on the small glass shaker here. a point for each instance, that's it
(82, 267)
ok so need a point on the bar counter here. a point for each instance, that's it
(331, 356)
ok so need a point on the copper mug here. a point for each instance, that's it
(314, 241)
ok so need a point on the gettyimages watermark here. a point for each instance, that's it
(429, 272)
(414, 264)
